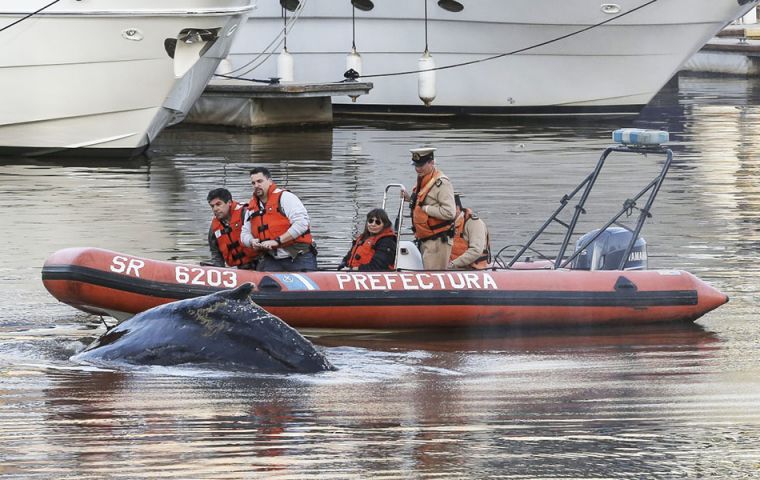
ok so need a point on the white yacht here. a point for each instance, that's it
(105, 75)
(494, 57)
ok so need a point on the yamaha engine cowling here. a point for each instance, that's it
(606, 252)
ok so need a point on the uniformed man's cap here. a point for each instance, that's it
(421, 156)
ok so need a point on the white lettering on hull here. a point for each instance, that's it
(127, 266)
(416, 281)
(188, 275)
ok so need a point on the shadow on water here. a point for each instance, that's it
(235, 145)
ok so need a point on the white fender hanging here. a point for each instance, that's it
(224, 67)
(426, 79)
(354, 61)
(285, 66)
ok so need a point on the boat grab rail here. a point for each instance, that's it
(400, 214)
(499, 264)
(627, 209)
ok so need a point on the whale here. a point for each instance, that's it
(226, 329)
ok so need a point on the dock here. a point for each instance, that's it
(734, 51)
(245, 104)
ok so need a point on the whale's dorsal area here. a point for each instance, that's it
(226, 329)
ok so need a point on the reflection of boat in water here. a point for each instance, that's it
(517, 57)
(676, 336)
(81, 75)
(603, 283)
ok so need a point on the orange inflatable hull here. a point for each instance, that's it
(110, 283)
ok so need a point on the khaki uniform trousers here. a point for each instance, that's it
(436, 253)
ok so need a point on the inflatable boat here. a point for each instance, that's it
(103, 282)
(604, 282)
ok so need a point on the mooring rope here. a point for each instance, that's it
(471, 62)
(514, 52)
(29, 15)
(274, 44)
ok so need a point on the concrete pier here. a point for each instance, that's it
(240, 103)
(735, 51)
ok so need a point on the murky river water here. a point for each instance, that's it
(675, 402)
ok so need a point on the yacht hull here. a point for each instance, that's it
(550, 60)
(101, 76)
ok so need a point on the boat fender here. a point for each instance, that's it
(354, 62)
(426, 79)
(224, 67)
(353, 68)
(285, 66)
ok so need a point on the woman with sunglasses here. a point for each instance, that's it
(375, 248)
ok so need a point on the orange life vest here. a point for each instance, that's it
(228, 238)
(460, 245)
(364, 248)
(424, 226)
(268, 222)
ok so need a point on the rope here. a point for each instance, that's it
(514, 52)
(271, 81)
(276, 42)
(472, 62)
(353, 27)
(29, 15)
(426, 27)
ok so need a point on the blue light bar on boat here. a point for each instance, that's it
(639, 136)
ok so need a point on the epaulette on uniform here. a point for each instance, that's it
(439, 182)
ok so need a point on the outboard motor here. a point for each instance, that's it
(607, 250)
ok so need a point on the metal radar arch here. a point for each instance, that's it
(629, 140)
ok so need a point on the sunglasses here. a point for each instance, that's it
(374, 220)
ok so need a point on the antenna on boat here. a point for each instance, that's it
(426, 68)
(399, 216)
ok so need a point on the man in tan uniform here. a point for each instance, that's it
(471, 249)
(433, 210)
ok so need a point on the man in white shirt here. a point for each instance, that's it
(278, 225)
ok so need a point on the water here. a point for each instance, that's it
(670, 402)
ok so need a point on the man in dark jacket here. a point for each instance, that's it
(224, 233)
